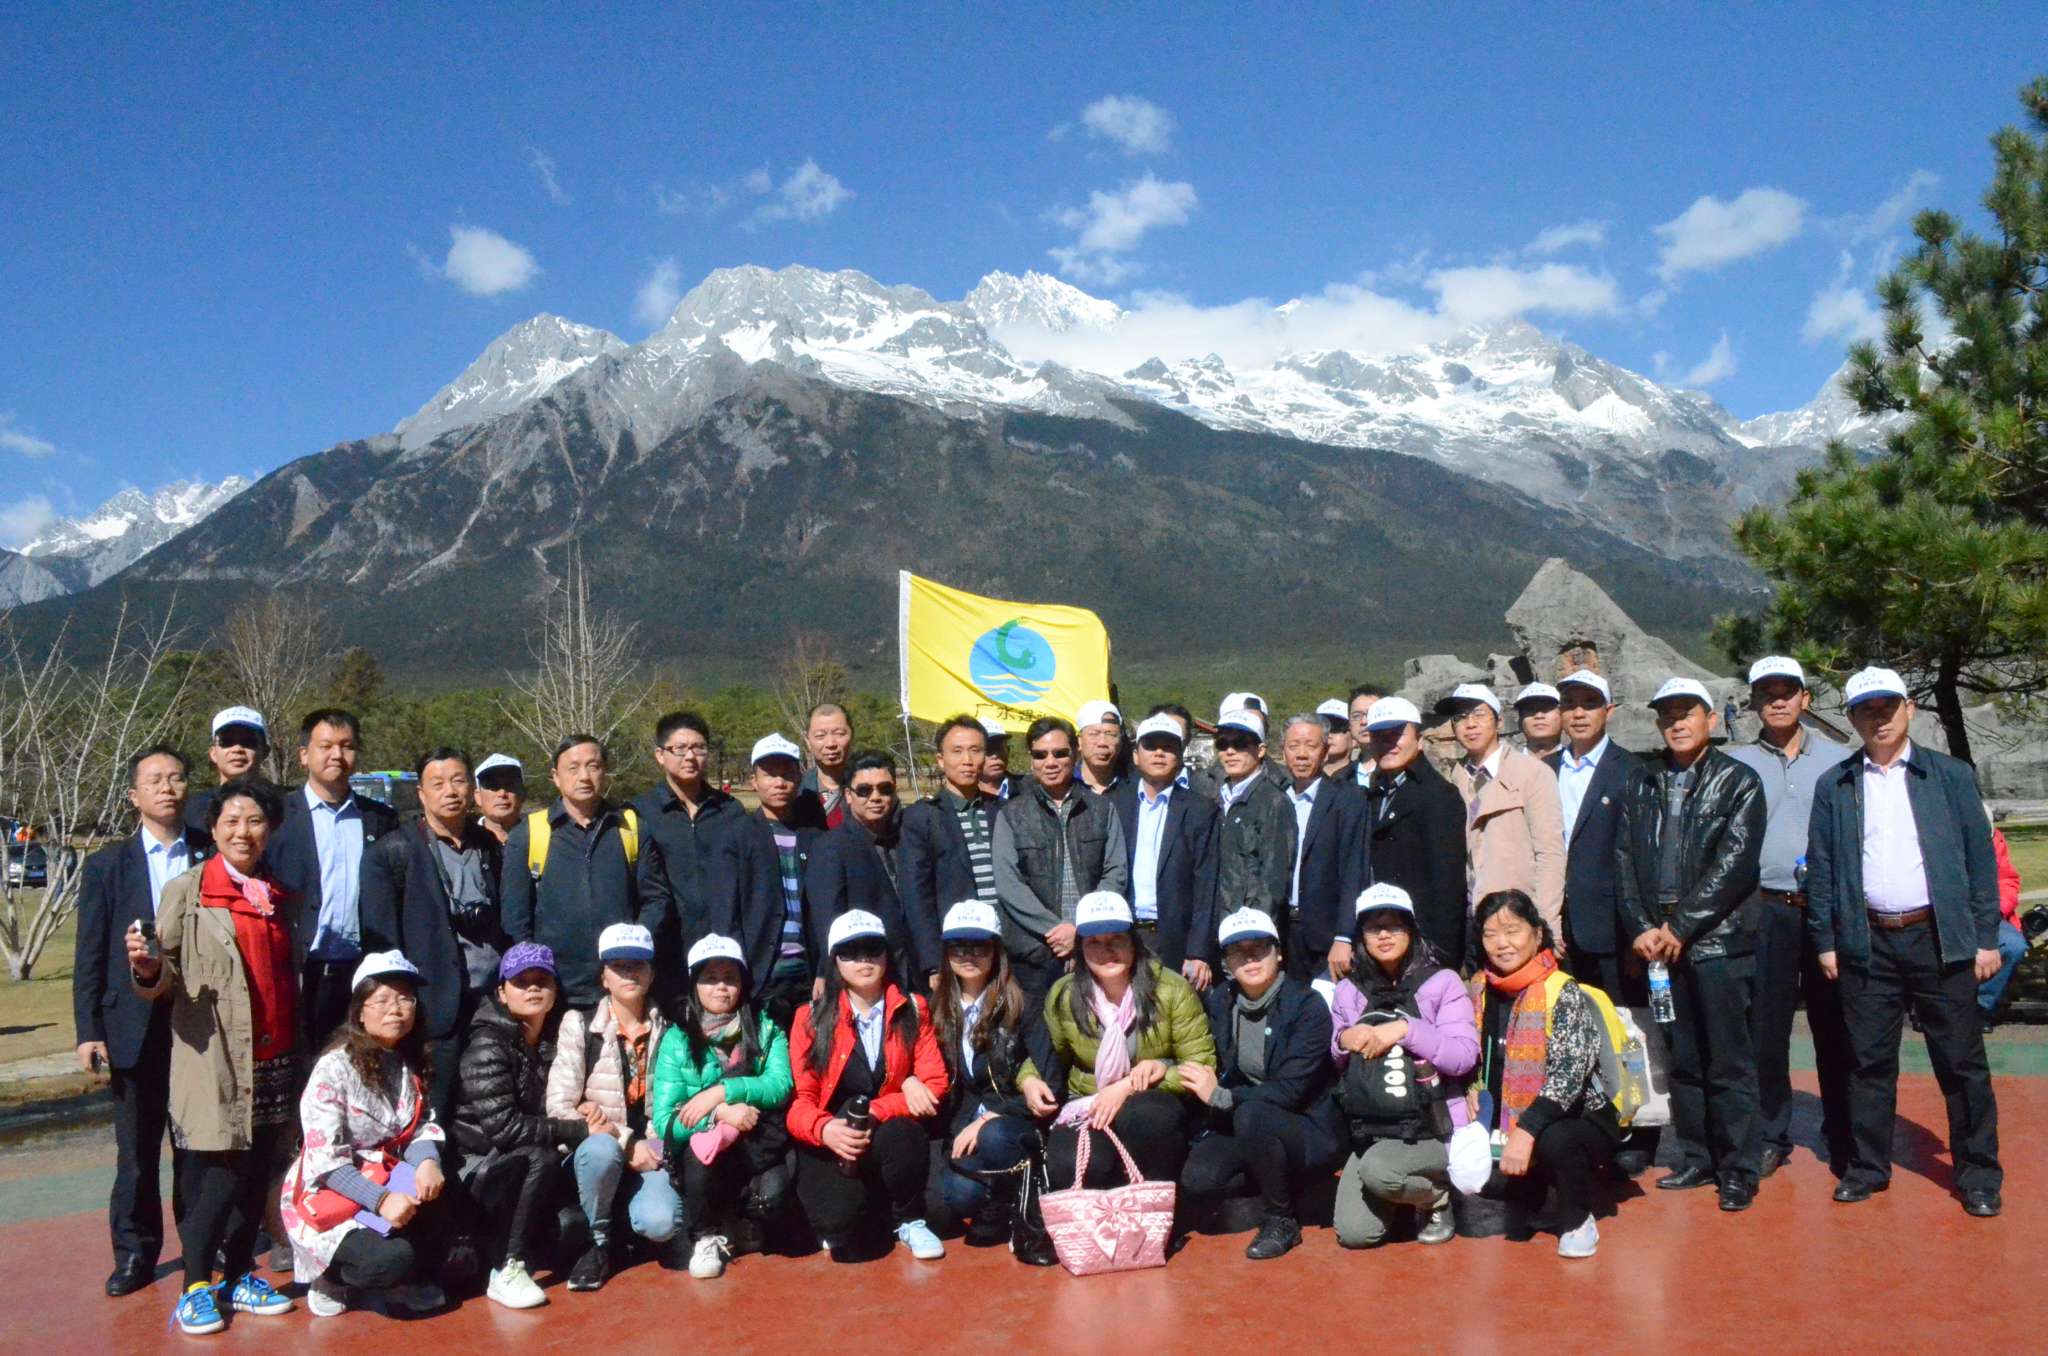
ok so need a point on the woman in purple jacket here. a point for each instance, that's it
(1405, 1042)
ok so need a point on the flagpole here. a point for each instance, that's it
(903, 674)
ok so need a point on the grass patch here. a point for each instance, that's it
(2029, 846)
(35, 1013)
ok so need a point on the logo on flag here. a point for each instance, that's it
(1012, 663)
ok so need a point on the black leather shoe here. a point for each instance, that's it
(131, 1274)
(594, 1268)
(1773, 1160)
(1736, 1196)
(1685, 1179)
(1979, 1202)
(1855, 1189)
(1278, 1236)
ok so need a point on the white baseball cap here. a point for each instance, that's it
(1100, 912)
(1243, 718)
(1472, 692)
(716, 947)
(774, 746)
(382, 965)
(1334, 709)
(970, 921)
(1232, 701)
(1683, 687)
(1536, 692)
(1245, 923)
(625, 941)
(1095, 712)
(994, 729)
(500, 760)
(1586, 678)
(1776, 666)
(852, 926)
(240, 715)
(1873, 682)
(1388, 712)
(1383, 896)
(1161, 724)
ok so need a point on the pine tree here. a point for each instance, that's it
(1932, 557)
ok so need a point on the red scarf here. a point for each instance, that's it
(1526, 1042)
(265, 944)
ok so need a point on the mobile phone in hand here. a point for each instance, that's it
(147, 929)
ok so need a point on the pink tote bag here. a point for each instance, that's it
(1121, 1228)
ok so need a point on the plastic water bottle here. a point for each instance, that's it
(1662, 1007)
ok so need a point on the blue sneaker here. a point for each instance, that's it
(924, 1245)
(197, 1312)
(254, 1295)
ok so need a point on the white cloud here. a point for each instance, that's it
(1718, 365)
(1138, 126)
(1711, 232)
(543, 165)
(1895, 209)
(759, 181)
(1488, 293)
(481, 262)
(15, 438)
(658, 294)
(1114, 224)
(1842, 311)
(679, 202)
(24, 520)
(808, 194)
(1557, 239)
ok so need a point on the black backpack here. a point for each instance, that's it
(1385, 1098)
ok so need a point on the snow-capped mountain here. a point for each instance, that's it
(80, 552)
(1002, 299)
(1831, 414)
(520, 365)
(24, 581)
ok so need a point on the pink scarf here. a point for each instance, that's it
(709, 1144)
(1112, 1055)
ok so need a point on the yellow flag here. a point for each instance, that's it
(1006, 662)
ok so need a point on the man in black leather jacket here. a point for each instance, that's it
(1688, 858)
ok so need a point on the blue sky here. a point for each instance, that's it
(225, 237)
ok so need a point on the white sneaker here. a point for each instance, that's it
(513, 1288)
(707, 1259)
(924, 1245)
(1583, 1241)
(327, 1298)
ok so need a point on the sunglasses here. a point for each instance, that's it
(1236, 744)
(870, 790)
(1159, 744)
(1054, 755)
(867, 949)
(240, 739)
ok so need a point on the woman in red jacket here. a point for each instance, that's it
(869, 1080)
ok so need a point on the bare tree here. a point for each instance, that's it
(64, 745)
(277, 647)
(586, 667)
(810, 674)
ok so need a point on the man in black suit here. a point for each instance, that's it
(317, 854)
(1330, 869)
(781, 833)
(241, 741)
(1170, 846)
(126, 1036)
(430, 890)
(1593, 777)
(947, 853)
(855, 867)
(1416, 827)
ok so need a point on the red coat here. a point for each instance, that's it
(807, 1113)
(2008, 880)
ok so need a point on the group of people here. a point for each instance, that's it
(502, 1036)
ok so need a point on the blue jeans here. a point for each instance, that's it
(1004, 1142)
(656, 1212)
(2012, 944)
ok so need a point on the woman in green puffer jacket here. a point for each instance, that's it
(720, 1081)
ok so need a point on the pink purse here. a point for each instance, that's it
(1115, 1229)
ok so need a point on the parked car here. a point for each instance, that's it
(399, 790)
(28, 866)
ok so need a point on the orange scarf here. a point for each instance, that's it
(1535, 970)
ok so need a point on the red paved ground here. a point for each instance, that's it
(1796, 1274)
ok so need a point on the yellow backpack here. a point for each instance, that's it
(539, 831)
(1624, 1064)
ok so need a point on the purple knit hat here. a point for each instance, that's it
(526, 956)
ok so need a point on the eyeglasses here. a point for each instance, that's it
(1236, 744)
(870, 790)
(866, 949)
(391, 1002)
(1051, 755)
(1159, 744)
(1384, 925)
(686, 750)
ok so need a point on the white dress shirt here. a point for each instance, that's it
(1894, 873)
(1574, 775)
(868, 1025)
(167, 861)
(1149, 845)
(1304, 803)
(338, 838)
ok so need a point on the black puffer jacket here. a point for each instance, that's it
(501, 1097)
(993, 1084)
(1723, 824)
(1255, 851)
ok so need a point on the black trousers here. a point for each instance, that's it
(512, 1197)
(1788, 968)
(889, 1187)
(788, 988)
(1153, 1125)
(225, 1196)
(1905, 968)
(323, 1005)
(1713, 1068)
(444, 1056)
(142, 1116)
(709, 1190)
(1278, 1149)
(1569, 1155)
(369, 1260)
(1037, 977)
